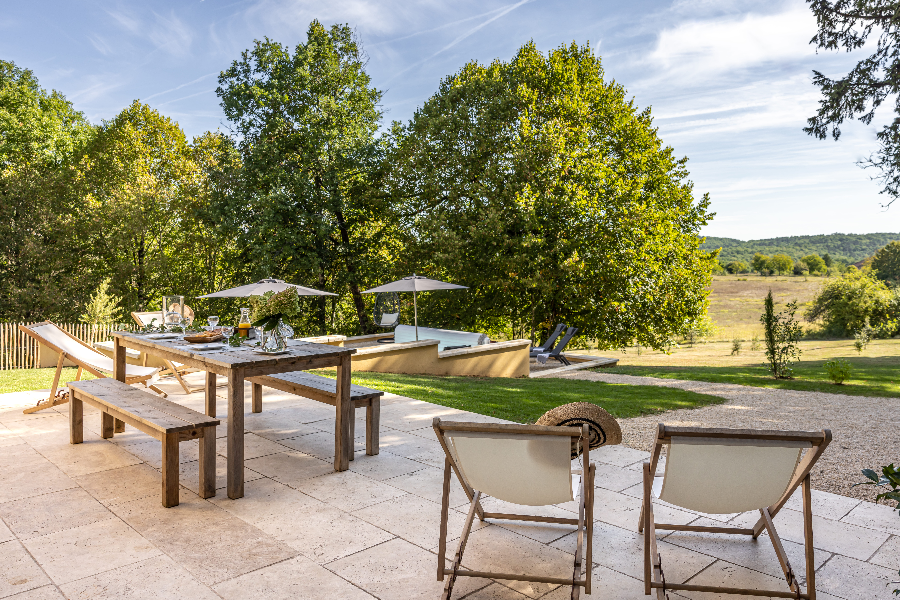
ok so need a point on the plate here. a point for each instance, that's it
(271, 353)
(197, 347)
(162, 336)
(201, 339)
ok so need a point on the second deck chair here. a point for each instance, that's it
(172, 368)
(557, 351)
(548, 345)
(522, 464)
(722, 471)
(86, 358)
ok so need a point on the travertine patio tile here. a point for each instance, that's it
(726, 574)
(637, 491)
(18, 571)
(495, 591)
(398, 570)
(189, 474)
(824, 504)
(266, 499)
(158, 578)
(622, 550)
(623, 511)
(758, 555)
(294, 579)
(619, 456)
(889, 553)
(414, 519)
(302, 410)
(53, 512)
(428, 483)
(498, 549)
(5, 533)
(384, 465)
(254, 446)
(210, 543)
(856, 580)
(274, 425)
(615, 478)
(874, 516)
(84, 551)
(347, 490)
(131, 436)
(33, 475)
(320, 445)
(123, 484)
(606, 584)
(289, 467)
(90, 457)
(541, 532)
(413, 447)
(417, 414)
(151, 452)
(831, 536)
(48, 592)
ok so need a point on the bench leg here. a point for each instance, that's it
(119, 427)
(352, 427)
(76, 420)
(208, 463)
(170, 470)
(106, 425)
(210, 394)
(257, 397)
(373, 416)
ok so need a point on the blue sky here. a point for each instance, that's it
(728, 81)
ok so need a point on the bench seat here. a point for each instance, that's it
(159, 418)
(324, 389)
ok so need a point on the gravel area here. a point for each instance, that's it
(865, 430)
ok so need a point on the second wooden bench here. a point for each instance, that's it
(166, 421)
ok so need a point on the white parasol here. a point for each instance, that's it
(265, 285)
(415, 283)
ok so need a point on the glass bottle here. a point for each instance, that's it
(243, 327)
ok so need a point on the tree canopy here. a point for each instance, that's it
(886, 263)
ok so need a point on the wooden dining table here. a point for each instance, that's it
(236, 365)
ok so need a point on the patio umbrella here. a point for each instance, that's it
(265, 285)
(415, 283)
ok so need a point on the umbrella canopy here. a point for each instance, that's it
(415, 283)
(265, 285)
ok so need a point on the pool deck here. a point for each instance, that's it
(86, 522)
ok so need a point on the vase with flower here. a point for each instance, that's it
(268, 312)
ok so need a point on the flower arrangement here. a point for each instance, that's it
(270, 308)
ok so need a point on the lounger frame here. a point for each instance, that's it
(654, 578)
(584, 522)
(171, 368)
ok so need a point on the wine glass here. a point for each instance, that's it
(213, 320)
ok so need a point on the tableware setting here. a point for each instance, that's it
(205, 337)
(162, 336)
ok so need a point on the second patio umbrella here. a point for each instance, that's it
(415, 283)
(265, 285)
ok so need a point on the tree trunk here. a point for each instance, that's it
(365, 325)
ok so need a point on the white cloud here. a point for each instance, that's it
(171, 34)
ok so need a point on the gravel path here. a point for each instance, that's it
(865, 430)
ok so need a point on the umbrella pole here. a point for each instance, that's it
(416, 313)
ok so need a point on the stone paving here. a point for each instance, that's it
(85, 522)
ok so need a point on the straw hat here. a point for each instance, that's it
(604, 430)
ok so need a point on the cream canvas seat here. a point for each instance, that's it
(723, 471)
(521, 464)
(173, 368)
(85, 358)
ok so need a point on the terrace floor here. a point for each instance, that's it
(86, 521)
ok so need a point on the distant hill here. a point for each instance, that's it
(849, 247)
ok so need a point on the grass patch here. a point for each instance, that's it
(525, 400)
(23, 380)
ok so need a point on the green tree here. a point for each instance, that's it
(826, 258)
(847, 25)
(815, 263)
(103, 308)
(853, 302)
(781, 264)
(760, 263)
(737, 266)
(307, 209)
(41, 243)
(540, 186)
(886, 263)
(782, 335)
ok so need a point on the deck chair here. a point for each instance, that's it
(521, 464)
(721, 471)
(556, 352)
(548, 345)
(172, 368)
(86, 358)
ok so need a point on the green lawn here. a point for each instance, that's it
(525, 400)
(872, 376)
(21, 380)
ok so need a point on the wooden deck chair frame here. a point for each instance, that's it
(654, 578)
(584, 522)
(55, 400)
(171, 368)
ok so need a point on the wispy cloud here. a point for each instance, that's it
(185, 97)
(166, 32)
(183, 85)
(97, 88)
(100, 44)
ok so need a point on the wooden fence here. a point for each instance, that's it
(20, 351)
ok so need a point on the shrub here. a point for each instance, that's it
(736, 346)
(886, 263)
(737, 266)
(103, 307)
(815, 263)
(862, 337)
(782, 334)
(754, 343)
(838, 370)
(857, 299)
(800, 268)
(781, 264)
(760, 263)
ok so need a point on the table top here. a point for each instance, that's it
(232, 358)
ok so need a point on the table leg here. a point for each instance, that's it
(235, 434)
(118, 374)
(256, 393)
(210, 394)
(76, 420)
(343, 440)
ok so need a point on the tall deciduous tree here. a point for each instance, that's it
(886, 263)
(847, 25)
(306, 122)
(540, 186)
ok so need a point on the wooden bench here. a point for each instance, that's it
(166, 421)
(324, 389)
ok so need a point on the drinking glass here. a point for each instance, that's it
(213, 320)
(173, 311)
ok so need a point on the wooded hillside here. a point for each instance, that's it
(849, 247)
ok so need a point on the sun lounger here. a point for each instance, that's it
(522, 464)
(723, 471)
(85, 358)
(548, 345)
(172, 368)
(556, 353)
